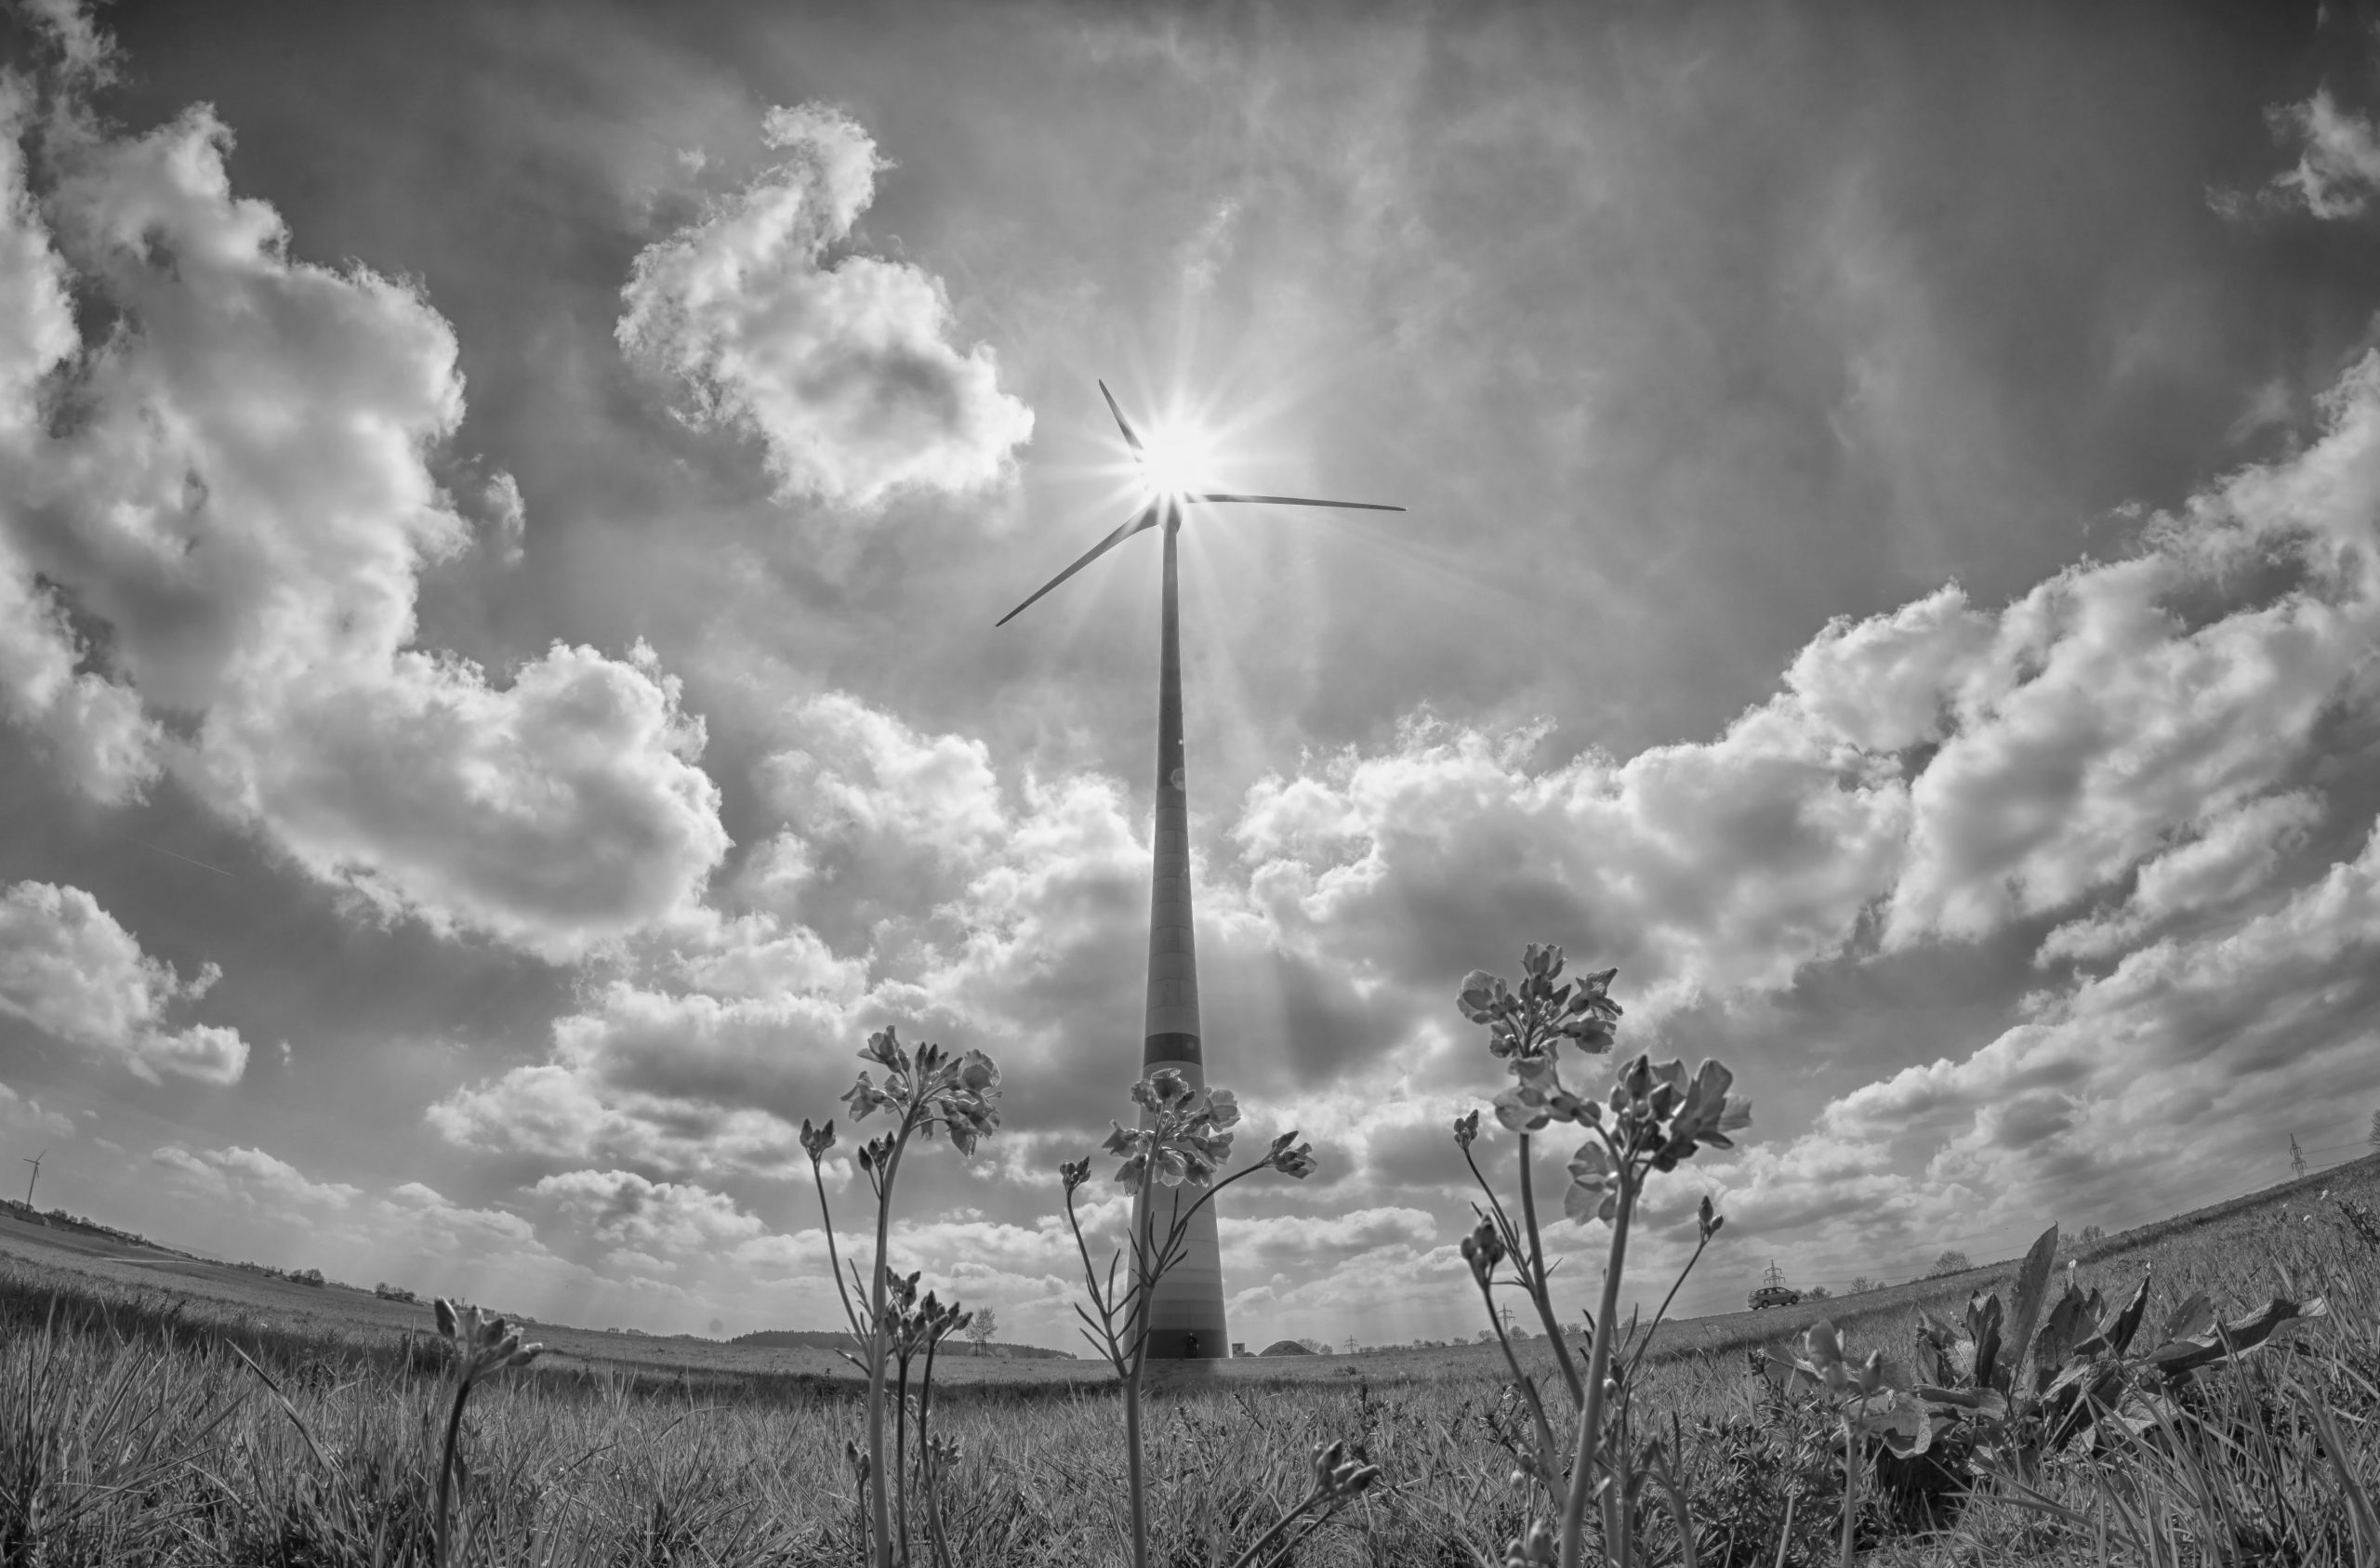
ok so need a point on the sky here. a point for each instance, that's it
(503, 510)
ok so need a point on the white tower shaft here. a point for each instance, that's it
(1187, 1313)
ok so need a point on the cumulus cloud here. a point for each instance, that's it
(2187, 1055)
(1949, 768)
(231, 489)
(2338, 164)
(21, 1112)
(70, 971)
(1029, 946)
(256, 1179)
(844, 369)
(2233, 858)
(621, 1208)
(1695, 868)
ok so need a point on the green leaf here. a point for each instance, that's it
(2032, 1289)
(2115, 1337)
(1983, 1327)
(2240, 1333)
(2192, 1317)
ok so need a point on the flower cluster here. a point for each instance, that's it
(1185, 1138)
(1525, 1025)
(1482, 1249)
(909, 1325)
(1658, 1117)
(1871, 1396)
(929, 1087)
(1537, 1551)
(484, 1341)
(1339, 1475)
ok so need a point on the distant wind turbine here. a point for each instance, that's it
(1186, 1313)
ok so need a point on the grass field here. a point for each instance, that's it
(131, 1430)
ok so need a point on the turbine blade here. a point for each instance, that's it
(1145, 520)
(1131, 438)
(1304, 501)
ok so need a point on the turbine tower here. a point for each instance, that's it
(1187, 1313)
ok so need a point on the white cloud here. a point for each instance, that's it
(1697, 867)
(71, 971)
(710, 1064)
(92, 728)
(621, 1208)
(2113, 1101)
(2340, 164)
(850, 769)
(234, 487)
(21, 1112)
(2101, 723)
(844, 370)
(2232, 859)
(256, 1180)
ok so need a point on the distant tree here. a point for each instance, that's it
(2090, 1235)
(1951, 1263)
(1862, 1284)
(1816, 1293)
(982, 1326)
(1318, 1347)
(2297, 1157)
(1485, 1337)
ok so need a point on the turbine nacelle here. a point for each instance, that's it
(1171, 488)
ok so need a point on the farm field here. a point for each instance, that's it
(639, 1450)
(2228, 1230)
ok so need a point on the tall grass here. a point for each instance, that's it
(131, 1434)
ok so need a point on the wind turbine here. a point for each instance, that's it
(1187, 1313)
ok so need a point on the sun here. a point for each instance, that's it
(1177, 456)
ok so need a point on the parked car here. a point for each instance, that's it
(1775, 1295)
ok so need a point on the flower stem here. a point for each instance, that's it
(1533, 1269)
(901, 1450)
(1136, 1328)
(1589, 1458)
(1850, 1483)
(880, 1500)
(1248, 1558)
(833, 1259)
(1527, 1387)
(446, 1471)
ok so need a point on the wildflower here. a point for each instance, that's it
(1186, 1137)
(1297, 1163)
(815, 1142)
(1594, 1184)
(1337, 1477)
(486, 1342)
(1466, 1129)
(1524, 1027)
(1535, 1552)
(1707, 1218)
(1074, 1173)
(1482, 1249)
(960, 1095)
